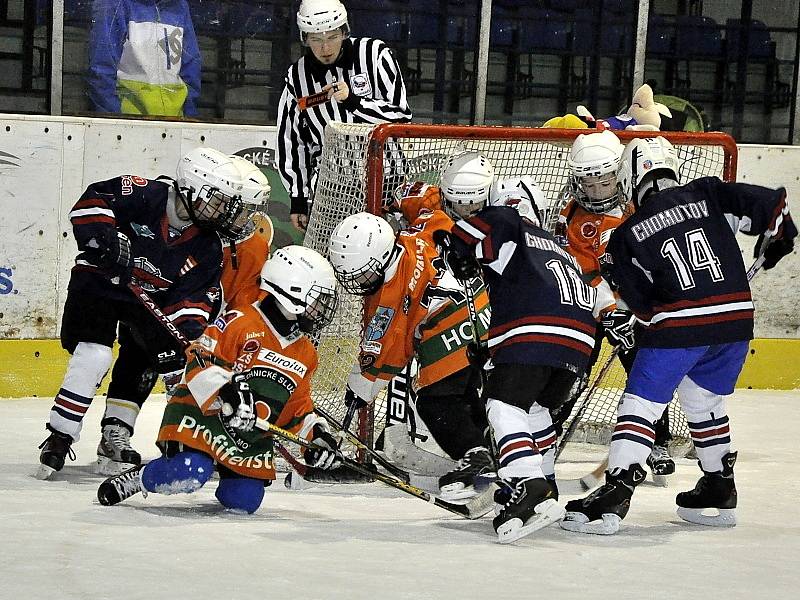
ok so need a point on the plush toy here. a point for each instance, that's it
(644, 114)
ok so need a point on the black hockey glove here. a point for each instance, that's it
(326, 455)
(477, 354)
(775, 250)
(112, 253)
(464, 267)
(238, 405)
(618, 325)
(170, 361)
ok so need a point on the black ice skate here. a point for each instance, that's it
(114, 453)
(476, 468)
(55, 449)
(120, 487)
(714, 491)
(531, 506)
(661, 464)
(602, 510)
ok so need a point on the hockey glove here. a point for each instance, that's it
(464, 267)
(326, 455)
(112, 253)
(477, 354)
(170, 361)
(775, 250)
(238, 405)
(618, 325)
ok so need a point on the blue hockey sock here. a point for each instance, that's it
(241, 493)
(184, 473)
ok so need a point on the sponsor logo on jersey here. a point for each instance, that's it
(222, 321)
(143, 231)
(213, 294)
(419, 265)
(254, 334)
(150, 284)
(190, 264)
(365, 361)
(128, 181)
(588, 230)
(208, 343)
(360, 85)
(259, 372)
(406, 304)
(251, 345)
(372, 347)
(379, 324)
(284, 362)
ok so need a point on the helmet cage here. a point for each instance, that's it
(321, 303)
(584, 196)
(365, 280)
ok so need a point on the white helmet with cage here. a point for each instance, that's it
(466, 181)
(221, 191)
(521, 193)
(593, 162)
(320, 16)
(303, 283)
(648, 164)
(361, 248)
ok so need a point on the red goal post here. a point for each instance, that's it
(362, 165)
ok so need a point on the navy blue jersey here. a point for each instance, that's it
(679, 268)
(541, 308)
(180, 270)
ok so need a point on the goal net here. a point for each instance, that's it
(362, 165)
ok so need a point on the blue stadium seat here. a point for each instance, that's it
(384, 25)
(759, 43)
(544, 31)
(660, 36)
(697, 37)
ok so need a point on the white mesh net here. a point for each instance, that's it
(359, 171)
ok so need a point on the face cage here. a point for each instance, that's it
(321, 304)
(462, 211)
(364, 281)
(593, 205)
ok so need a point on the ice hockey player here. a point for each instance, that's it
(254, 361)
(415, 308)
(540, 337)
(246, 240)
(164, 233)
(677, 265)
(595, 207)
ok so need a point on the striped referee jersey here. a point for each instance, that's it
(377, 95)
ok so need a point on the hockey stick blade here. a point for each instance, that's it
(312, 100)
(462, 511)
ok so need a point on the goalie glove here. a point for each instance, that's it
(326, 454)
(464, 267)
(238, 405)
(618, 325)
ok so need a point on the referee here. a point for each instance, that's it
(363, 84)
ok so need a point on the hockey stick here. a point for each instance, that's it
(462, 510)
(312, 100)
(354, 439)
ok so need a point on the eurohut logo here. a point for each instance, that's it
(7, 159)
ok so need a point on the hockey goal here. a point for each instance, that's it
(362, 165)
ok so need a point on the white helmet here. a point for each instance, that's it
(521, 193)
(593, 162)
(303, 283)
(221, 191)
(466, 180)
(644, 162)
(319, 16)
(361, 248)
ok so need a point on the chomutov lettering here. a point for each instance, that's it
(667, 218)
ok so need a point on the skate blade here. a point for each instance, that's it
(547, 513)
(106, 466)
(660, 480)
(44, 472)
(726, 517)
(579, 523)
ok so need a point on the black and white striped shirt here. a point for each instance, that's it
(377, 95)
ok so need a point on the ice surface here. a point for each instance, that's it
(371, 542)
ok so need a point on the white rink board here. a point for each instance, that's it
(47, 162)
(371, 542)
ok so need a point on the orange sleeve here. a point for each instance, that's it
(415, 198)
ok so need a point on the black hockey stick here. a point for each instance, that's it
(462, 510)
(354, 439)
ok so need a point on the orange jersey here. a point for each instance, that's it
(585, 236)
(420, 311)
(278, 370)
(240, 286)
(415, 197)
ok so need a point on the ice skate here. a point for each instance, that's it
(121, 487)
(714, 493)
(476, 469)
(531, 506)
(601, 511)
(114, 453)
(661, 465)
(55, 450)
